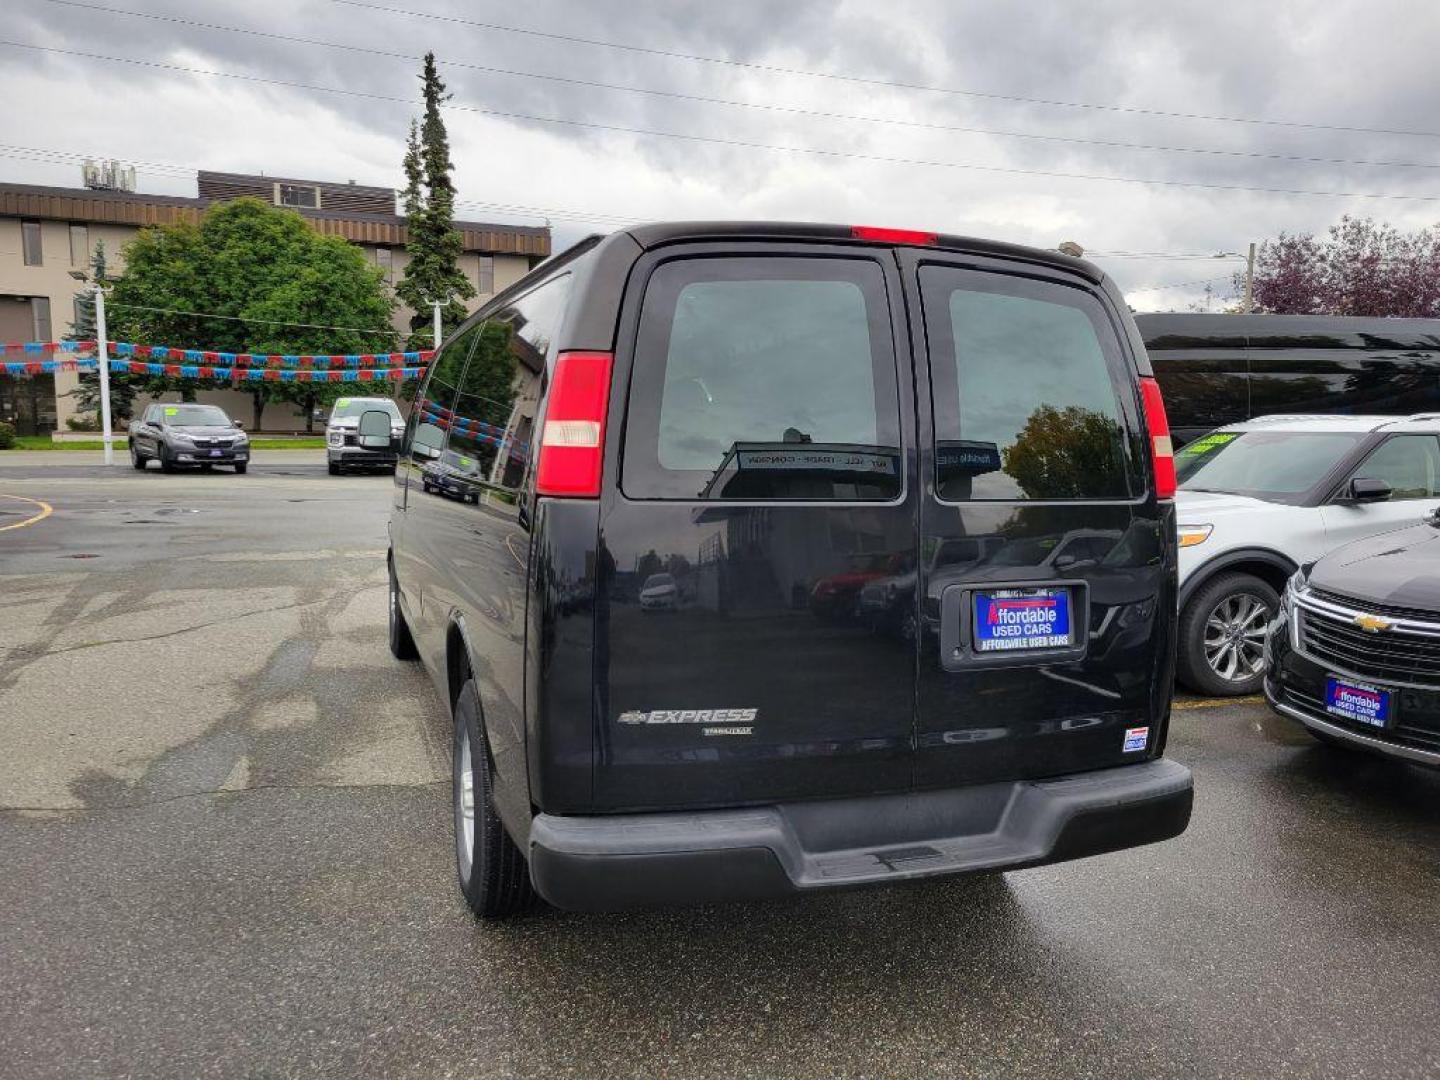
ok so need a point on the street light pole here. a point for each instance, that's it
(1249, 304)
(102, 362)
(435, 304)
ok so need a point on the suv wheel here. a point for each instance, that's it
(167, 464)
(1222, 635)
(494, 877)
(402, 644)
(136, 459)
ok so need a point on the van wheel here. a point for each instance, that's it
(494, 876)
(334, 469)
(402, 644)
(1222, 635)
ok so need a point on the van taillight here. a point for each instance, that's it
(572, 442)
(1160, 446)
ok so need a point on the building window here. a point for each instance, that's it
(385, 259)
(40, 309)
(79, 245)
(297, 195)
(485, 274)
(30, 240)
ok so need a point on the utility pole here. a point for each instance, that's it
(435, 305)
(102, 362)
(1249, 305)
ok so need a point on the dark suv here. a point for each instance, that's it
(752, 410)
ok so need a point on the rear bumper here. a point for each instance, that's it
(613, 862)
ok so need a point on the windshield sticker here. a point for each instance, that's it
(342, 402)
(1208, 443)
(172, 411)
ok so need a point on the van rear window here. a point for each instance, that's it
(1025, 383)
(764, 378)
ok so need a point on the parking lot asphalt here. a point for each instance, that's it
(225, 850)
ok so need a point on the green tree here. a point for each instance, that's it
(431, 240)
(1067, 453)
(260, 280)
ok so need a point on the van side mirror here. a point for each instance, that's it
(1365, 490)
(374, 429)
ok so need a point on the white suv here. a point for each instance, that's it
(1258, 499)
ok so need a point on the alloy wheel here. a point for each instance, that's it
(1235, 637)
(464, 805)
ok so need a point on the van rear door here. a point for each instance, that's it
(760, 485)
(1045, 642)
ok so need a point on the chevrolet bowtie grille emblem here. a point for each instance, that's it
(1372, 624)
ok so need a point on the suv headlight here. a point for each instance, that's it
(1190, 535)
(180, 436)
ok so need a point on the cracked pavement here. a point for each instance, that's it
(225, 851)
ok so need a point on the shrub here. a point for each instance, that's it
(82, 423)
(7, 435)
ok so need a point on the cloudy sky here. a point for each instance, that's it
(1000, 119)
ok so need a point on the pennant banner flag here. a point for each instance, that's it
(48, 348)
(208, 358)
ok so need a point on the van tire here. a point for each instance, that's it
(334, 468)
(402, 642)
(1193, 667)
(493, 874)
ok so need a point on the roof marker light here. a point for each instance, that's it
(894, 236)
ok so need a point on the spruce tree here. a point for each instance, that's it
(432, 242)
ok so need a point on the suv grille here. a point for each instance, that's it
(1408, 653)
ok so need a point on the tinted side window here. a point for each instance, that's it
(425, 436)
(530, 324)
(1025, 384)
(1410, 464)
(764, 378)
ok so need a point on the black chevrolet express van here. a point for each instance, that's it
(1221, 369)
(749, 412)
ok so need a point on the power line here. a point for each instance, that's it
(738, 143)
(67, 157)
(892, 84)
(1176, 285)
(247, 319)
(762, 106)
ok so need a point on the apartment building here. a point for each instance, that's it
(46, 232)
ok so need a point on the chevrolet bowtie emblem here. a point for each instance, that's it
(1372, 624)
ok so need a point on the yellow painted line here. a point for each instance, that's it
(1216, 703)
(45, 511)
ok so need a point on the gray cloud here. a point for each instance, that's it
(1347, 63)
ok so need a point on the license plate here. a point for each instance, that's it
(1360, 702)
(1017, 619)
(217, 453)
